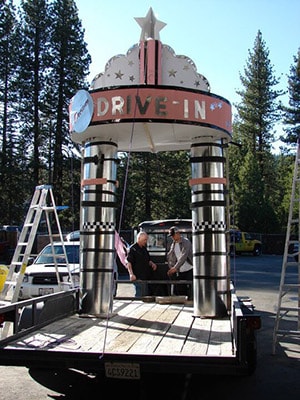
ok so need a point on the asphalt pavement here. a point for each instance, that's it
(277, 376)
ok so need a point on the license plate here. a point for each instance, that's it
(44, 291)
(122, 370)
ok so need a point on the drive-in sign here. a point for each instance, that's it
(158, 104)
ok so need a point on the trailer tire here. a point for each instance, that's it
(71, 383)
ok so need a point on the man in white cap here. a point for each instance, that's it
(180, 260)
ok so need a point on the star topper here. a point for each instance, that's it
(150, 26)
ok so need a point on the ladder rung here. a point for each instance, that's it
(292, 263)
(34, 207)
(40, 187)
(21, 244)
(291, 285)
(291, 332)
(28, 225)
(4, 303)
(289, 308)
(10, 282)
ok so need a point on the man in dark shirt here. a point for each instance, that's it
(139, 265)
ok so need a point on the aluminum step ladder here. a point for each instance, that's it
(287, 321)
(42, 203)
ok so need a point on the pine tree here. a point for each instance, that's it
(156, 187)
(258, 112)
(10, 164)
(53, 64)
(292, 113)
(34, 20)
(69, 63)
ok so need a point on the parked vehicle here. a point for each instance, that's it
(244, 242)
(73, 236)
(121, 248)
(41, 277)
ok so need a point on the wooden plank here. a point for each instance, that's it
(136, 327)
(125, 341)
(176, 335)
(104, 331)
(58, 333)
(159, 321)
(220, 342)
(48, 337)
(198, 338)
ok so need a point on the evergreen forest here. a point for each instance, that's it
(44, 61)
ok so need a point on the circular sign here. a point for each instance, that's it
(81, 111)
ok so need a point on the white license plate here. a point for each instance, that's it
(122, 370)
(44, 291)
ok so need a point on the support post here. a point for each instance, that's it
(98, 221)
(209, 228)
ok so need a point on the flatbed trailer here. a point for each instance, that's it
(139, 336)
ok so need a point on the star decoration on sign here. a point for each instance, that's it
(215, 106)
(172, 72)
(150, 26)
(119, 75)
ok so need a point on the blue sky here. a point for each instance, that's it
(216, 34)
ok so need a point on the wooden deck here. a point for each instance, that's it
(135, 327)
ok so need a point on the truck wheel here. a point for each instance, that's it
(257, 251)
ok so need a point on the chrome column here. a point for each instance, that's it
(97, 232)
(209, 228)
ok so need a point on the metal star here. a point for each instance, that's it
(150, 26)
(172, 72)
(119, 75)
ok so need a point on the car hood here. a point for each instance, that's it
(50, 268)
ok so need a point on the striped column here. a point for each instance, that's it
(209, 229)
(97, 232)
